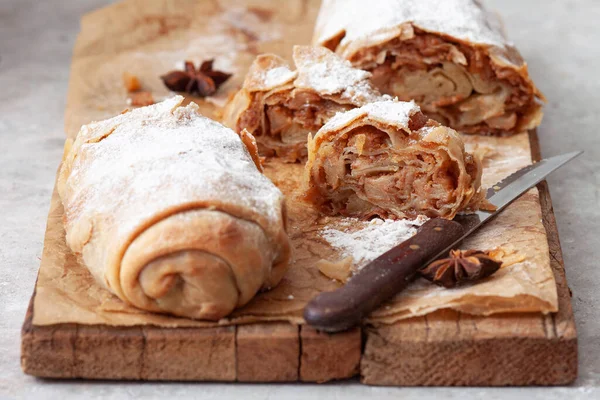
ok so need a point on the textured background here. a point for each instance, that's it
(558, 38)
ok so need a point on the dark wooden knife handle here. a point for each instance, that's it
(381, 279)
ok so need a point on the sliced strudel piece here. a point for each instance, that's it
(280, 105)
(390, 160)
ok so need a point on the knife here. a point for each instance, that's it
(391, 272)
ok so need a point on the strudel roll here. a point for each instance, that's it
(167, 210)
(387, 159)
(280, 105)
(450, 56)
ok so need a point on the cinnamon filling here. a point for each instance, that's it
(363, 173)
(288, 118)
(454, 84)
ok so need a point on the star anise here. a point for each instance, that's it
(204, 81)
(460, 267)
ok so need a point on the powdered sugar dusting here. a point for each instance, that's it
(397, 111)
(387, 112)
(277, 76)
(327, 73)
(269, 72)
(342, 119)
(462, 19)
(132, 167)
(317, 69)
(372, 239)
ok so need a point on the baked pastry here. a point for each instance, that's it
(167, 210)
(450, 56)
(388, 159)
(280, 106)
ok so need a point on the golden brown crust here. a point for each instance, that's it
(168, 211)
(250, 143)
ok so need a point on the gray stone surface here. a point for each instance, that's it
(559, 38)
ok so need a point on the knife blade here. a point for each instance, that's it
(391, 272)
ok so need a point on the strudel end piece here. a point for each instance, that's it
(168, 211)
(450, 56)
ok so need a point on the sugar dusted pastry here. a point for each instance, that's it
(387, 159)
(450, 56)
(280, 106)
(169, 212)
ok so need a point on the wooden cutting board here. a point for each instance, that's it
(444, 348)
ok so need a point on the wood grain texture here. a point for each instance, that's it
(325, 357)
(127, 353)
(190, 354)
(450, 348)
(444, 348)
(47, 352)
(267, 352)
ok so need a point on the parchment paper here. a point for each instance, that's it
(148, 38)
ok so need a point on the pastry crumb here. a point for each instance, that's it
(131, 82)
(141, 99)
(507, 256)
(339, 271)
